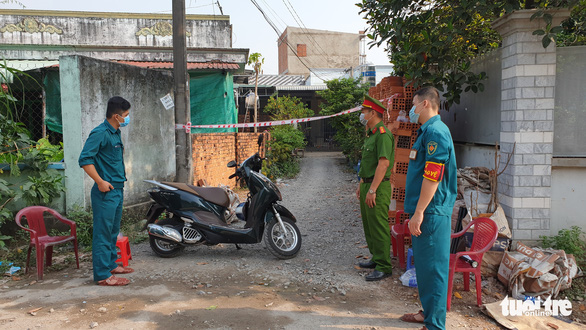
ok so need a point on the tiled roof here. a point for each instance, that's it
(190, 65)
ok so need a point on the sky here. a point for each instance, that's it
(250, 29)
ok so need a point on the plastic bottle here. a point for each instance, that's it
(469, 260)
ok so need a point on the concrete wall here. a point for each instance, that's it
(568, 196)
(324, 49)
(477, 118)
(149, 140)
(471, 155)
(35, 34)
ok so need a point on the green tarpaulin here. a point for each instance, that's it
(212, 101)
(53, 101)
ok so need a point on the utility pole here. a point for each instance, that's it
(183, 159)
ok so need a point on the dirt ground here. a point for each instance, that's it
(220, 287)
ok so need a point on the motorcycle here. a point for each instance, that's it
(184, 215)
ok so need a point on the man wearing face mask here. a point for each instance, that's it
(102, 158)
(429, 198)
(374, 191)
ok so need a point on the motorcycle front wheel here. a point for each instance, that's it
(282, 244)
(163, 248)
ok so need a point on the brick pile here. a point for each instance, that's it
(397, 97)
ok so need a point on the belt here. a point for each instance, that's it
(369, 180)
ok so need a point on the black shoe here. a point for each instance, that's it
(377, 275)
(367, 264)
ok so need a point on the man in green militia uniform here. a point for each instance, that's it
(374, 191)
(102, 158)
(429, 198)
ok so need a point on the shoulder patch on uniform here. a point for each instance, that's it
(382, 130)
(431, 147)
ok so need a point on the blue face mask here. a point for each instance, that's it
(126, 121)
(414, 117)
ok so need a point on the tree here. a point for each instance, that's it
(257, 61)
(344, 94)
(574, 29)
(284, 138)
(434, 42)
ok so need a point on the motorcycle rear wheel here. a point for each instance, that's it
(163, 248)
(283, 245)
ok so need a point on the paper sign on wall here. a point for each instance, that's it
(167, 101)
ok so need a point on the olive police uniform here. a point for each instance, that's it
(433, 158)
(379, 143)
(104, 149)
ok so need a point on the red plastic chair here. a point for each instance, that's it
(485, 233)
(39, 237)
(398, 233)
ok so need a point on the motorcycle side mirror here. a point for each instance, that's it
(232, 164)
(260, 139)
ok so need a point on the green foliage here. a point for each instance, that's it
(6, 196)
(43, 188)
(343, 94)
(51, 152)
(84, 222)
(434, 42)
(17, 147)
(286, 107)
(571, 241)
(285, 138)
(256, 60)
(574, 29)
(14, 141)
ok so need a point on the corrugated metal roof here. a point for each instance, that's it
(301, 88)
(190, 65)
(277, 79)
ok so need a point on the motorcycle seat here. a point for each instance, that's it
(212, 194)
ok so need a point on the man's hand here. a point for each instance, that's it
(358, 192)
(370, 199)
(415, 224)
(105, 186)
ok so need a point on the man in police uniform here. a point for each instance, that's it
(374, 191)
(429, 198)
(102, 158)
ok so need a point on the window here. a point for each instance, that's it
(301, 50)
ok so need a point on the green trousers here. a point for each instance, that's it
(376, 225)
(107, 209)
(431, 251)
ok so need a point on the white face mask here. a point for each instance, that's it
(363, 119)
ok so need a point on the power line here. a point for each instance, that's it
(284, 24)
(279, 34)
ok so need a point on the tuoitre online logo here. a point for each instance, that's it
(531, 306)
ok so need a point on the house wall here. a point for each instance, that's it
(149, 140)
(324, 49)
(36, 34)
(540, 97)
(568, 196)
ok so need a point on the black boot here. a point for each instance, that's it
(377, 275)
(367, 264)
